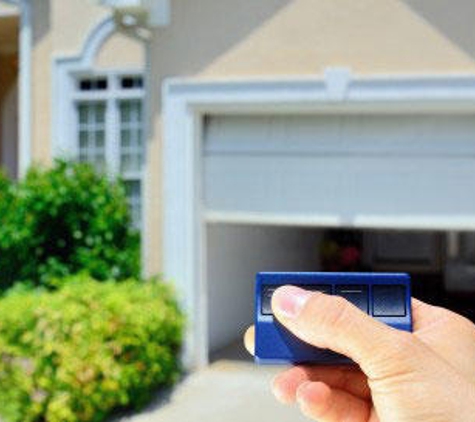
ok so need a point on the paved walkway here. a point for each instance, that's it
(226, 391)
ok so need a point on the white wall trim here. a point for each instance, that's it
(187, 101)
(25, 91)
(62, 142)
(388, 222)
(384, 94)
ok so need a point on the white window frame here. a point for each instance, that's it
(112, 96)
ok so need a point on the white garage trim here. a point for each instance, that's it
(186, 102)
(367, 221)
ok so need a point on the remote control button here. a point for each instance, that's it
(389, 300)
(267, 292)
(324, 288)
(356, 294)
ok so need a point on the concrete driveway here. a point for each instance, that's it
(226, 391)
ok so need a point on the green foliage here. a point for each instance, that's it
(86, 349)
(64, 220)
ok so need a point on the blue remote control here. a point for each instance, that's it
(385, 296)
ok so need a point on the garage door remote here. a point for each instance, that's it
(384, 296)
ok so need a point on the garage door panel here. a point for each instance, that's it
(341, 166)
(340, 185)
(336, 134)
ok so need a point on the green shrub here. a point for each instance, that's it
(78, 353)
(64, 220)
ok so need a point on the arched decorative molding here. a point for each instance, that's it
(96, 38)
(62, 143)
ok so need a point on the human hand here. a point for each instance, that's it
(427, 375)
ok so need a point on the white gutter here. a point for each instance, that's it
(25, 109)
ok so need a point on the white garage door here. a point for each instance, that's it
(412, 171)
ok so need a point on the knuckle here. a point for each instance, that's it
(454, 322)
(465, 324)
(399, 361)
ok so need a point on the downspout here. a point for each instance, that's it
(25, 109)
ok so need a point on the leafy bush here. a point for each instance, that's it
(64, 220)
(80, 352)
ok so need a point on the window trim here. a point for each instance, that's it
(111, 97)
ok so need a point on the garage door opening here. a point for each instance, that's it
(235, 252)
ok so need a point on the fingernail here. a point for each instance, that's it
(289, 300)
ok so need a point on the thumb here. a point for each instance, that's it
(332, 322)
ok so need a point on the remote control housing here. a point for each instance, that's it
(384, 296)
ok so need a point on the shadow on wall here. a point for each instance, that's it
(205, 43)
(458, 27)
(42, 16)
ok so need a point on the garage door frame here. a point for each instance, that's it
(185, 104)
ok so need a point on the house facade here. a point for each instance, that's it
(253, 134)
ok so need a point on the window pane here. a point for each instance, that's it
(91, 133)
(100, 139)
(125, 161)
(131, 144)
(125, 137)
(92, 84)
(101, 83)
(133, 190)
(85, 85)
(125, 111)
(129, 82)
(82, 139)
(100, 111)
(82, 114)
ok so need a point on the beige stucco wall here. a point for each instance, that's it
(369, 36)
(213, 39)
(121, 51)
(61, 28)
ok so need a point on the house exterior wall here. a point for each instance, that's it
(110, 56)
(60, 29)
(249, 39)
(285, 38)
